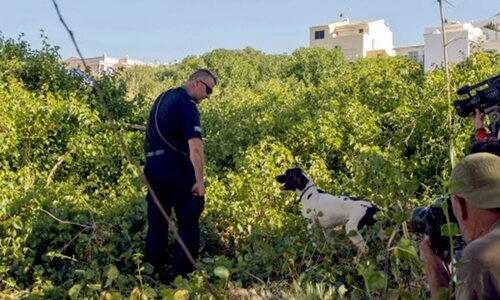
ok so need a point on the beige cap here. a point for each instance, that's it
(477, 179)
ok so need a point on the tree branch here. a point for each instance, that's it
(59, 162)
(66, 222)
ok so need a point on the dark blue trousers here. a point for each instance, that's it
(187, 208)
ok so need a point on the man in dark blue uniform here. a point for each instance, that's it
(174, 168)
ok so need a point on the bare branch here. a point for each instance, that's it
(59, 162)
(134, 126)
(66, 222)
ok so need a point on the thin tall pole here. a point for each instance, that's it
(448, 92)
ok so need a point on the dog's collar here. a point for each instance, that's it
(305, 190)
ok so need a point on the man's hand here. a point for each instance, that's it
(437, 275)
(198, 189)
(478, 120)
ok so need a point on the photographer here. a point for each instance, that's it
(485, 101)
(475, 197)
(490, 145)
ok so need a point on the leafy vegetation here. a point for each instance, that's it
(72, 209)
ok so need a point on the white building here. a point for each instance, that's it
(491, 30)
(374, 38)
(356, 39)
(462, 40)
(103, 63)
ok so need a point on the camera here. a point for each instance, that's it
(486, 100)
(429, 220)
(483, 99)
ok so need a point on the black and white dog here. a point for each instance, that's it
(328, 211)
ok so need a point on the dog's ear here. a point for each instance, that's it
(300, 179)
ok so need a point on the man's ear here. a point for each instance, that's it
(460, 207)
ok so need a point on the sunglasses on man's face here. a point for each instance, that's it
(208, 89)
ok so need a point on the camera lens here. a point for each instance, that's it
(418, 221)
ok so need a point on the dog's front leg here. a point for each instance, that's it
(356, 237)
(328, 235)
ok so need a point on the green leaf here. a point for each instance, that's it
(450, 229)
(94, 286)
(376, 280)
(404, 250)
(148, 268)
(182, 294)
(112, 272)
(342, 290)
(221, 272)
(74, 291)
(17, 224)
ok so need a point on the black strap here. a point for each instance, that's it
(158, 128)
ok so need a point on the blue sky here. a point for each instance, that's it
(168, 30)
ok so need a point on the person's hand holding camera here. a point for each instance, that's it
(478, 120)
(437, 273)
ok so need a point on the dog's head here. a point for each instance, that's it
(293, 179)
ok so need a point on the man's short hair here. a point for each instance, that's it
(477, 179)
(203, 73)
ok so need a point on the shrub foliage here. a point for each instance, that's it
(73, 215)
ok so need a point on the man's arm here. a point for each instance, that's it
(437, 275)
(196, 156)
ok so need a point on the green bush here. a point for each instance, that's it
(72, 209)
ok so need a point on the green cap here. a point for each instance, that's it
(477, 179)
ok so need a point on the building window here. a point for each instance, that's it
(413, 55)
(361, 30)
(319, 35)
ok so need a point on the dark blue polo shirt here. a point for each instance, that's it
(178, 120)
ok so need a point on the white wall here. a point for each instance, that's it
(354, 39)
(380, 37)
(459, 39)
